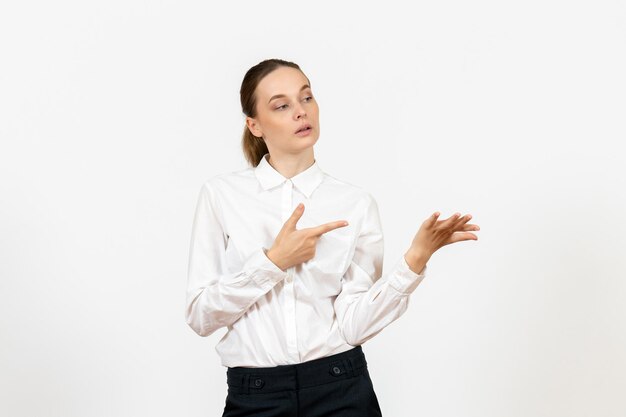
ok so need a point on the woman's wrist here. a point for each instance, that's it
(273, 258)
(416, 260)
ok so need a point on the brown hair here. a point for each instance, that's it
(254, 147)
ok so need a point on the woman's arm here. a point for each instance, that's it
(369, 301)
(217, 297)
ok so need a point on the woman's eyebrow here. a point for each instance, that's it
(282, 95)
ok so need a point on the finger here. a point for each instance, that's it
(433, 219)
(324, 228)
(462, 220)
(459, 237)
(456, 221)
(467, 227)
(450, 221)
(292, 221)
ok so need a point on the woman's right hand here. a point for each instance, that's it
(292, 247)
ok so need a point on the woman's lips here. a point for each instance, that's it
(303, 126)
(304, 132)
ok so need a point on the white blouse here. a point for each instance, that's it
(327, 305)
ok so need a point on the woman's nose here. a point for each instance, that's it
(300, 111)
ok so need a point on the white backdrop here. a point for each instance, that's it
(112, 114)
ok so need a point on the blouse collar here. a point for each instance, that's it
(306, 181)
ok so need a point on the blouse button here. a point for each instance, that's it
(289, 279)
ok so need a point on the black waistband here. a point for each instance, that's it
(290, 377)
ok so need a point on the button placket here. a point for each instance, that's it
(290, 299)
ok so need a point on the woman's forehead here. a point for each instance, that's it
(281, 82)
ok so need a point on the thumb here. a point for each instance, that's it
(433, 218)
(295, 216)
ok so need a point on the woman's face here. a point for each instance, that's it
(284, 104)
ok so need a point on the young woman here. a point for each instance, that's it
(289, 260)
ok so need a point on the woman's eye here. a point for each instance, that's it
(285, 105)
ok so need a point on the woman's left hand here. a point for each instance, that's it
(434, 235)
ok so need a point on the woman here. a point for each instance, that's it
(289, 260)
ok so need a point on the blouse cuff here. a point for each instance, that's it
(403, 279)
(263, 271)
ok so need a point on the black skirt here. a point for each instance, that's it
(336, 385)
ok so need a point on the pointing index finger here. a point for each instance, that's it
(327, 227)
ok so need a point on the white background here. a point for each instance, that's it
(112, 114)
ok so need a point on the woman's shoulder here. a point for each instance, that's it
(227, 179)
(349, 189)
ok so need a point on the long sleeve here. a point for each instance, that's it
(217, 297)
(368, 301)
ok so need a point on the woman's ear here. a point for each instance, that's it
(253, 127)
